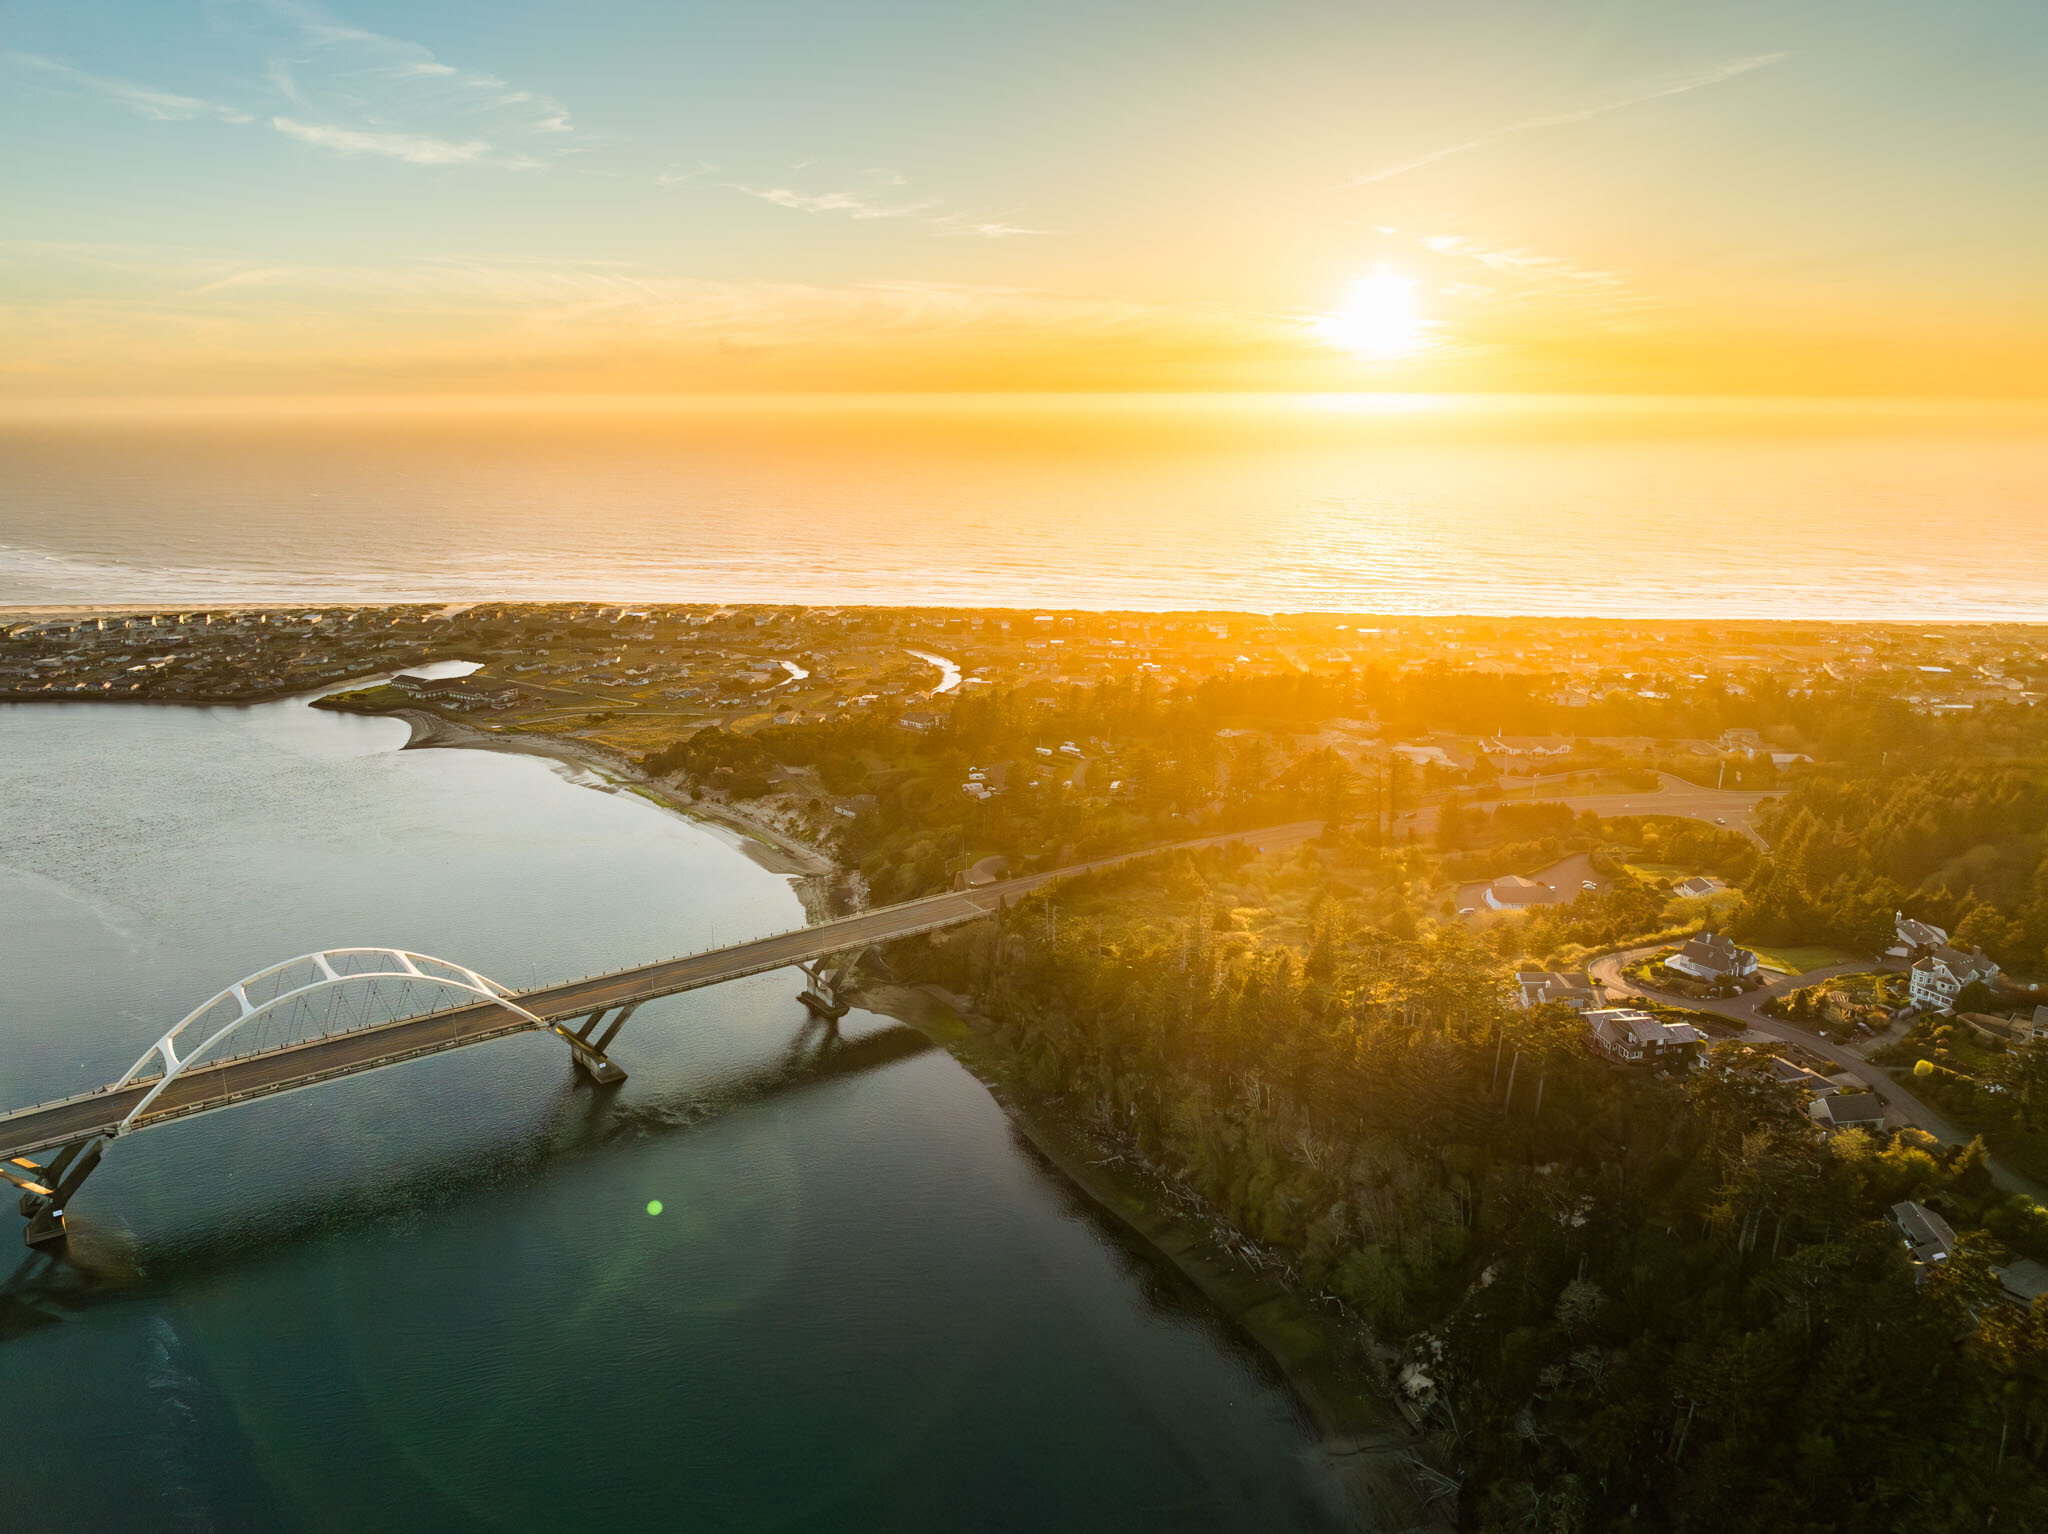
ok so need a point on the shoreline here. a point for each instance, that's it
(817, 879)
(1362, 1434)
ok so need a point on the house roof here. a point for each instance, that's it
(1918, 934)
(1639, 1027)
(1965, 967)
(1713, 951)
(1800, 1076)
(1851, 1108)
(1927, 1234)
(1537, 986)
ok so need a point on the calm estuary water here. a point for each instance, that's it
(1658, 508)
(433, 1298)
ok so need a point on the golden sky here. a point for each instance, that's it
(267, 198)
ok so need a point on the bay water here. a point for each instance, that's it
(436, 1297)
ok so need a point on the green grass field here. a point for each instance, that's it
(1798, 960)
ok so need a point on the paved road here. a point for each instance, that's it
(209, 1087)
(1901, 1105)
(1728, 807)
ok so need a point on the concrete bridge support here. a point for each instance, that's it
(47, 1190)
(826, 989)
(589, 1052)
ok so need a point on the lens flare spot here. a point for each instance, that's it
(654, 1206)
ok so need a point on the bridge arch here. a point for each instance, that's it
(220, 1018)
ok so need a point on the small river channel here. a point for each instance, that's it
(435, 1297)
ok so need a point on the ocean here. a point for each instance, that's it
(1672, 508)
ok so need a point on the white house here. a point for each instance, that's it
(1514, 892)
(1536, 987)
(1911, 937)
(1938, 978)
(1709, 956)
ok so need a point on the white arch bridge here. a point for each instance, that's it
(345, 1011)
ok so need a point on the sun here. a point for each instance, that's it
(1379, 318)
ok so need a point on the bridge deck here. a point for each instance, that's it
(207, 1087)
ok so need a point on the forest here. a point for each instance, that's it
(1616, 1301)
(1963, 845)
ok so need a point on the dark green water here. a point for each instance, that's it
(433, 1298)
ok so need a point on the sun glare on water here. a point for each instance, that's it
(1379, 318)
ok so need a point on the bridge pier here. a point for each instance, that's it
(589, 1053)
(822, 992)
(47, 1190)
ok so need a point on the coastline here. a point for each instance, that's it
(818, 881)
(1363, 1436)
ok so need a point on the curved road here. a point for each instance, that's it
(1747, 1009)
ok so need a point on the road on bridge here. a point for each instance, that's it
(206, 1087)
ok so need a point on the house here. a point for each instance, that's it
(1939, 977)
(1912, 937)
(1697, 885)
(1799, 1076)
(1526, 748)
(1847, 1110)
(1538, 987)
(1514, 892)
(1927, 1235)
(1711, 957)
(416, 686)
(1631, 1035)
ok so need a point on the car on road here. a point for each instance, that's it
(1719, 821)
(1589, 884)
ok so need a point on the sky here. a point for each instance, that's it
(269, 198)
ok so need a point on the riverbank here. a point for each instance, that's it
(1366, 1440)
(1322, 1357)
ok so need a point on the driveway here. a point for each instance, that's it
(1901, 1106)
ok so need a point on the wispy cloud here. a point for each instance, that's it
(870, 197)
(482, 321)
(876, 195)
(144, 100)
(969, 227)
(383, 77)
(1522, 263)
(415, 148)
(1656, 90)
(351, 92)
